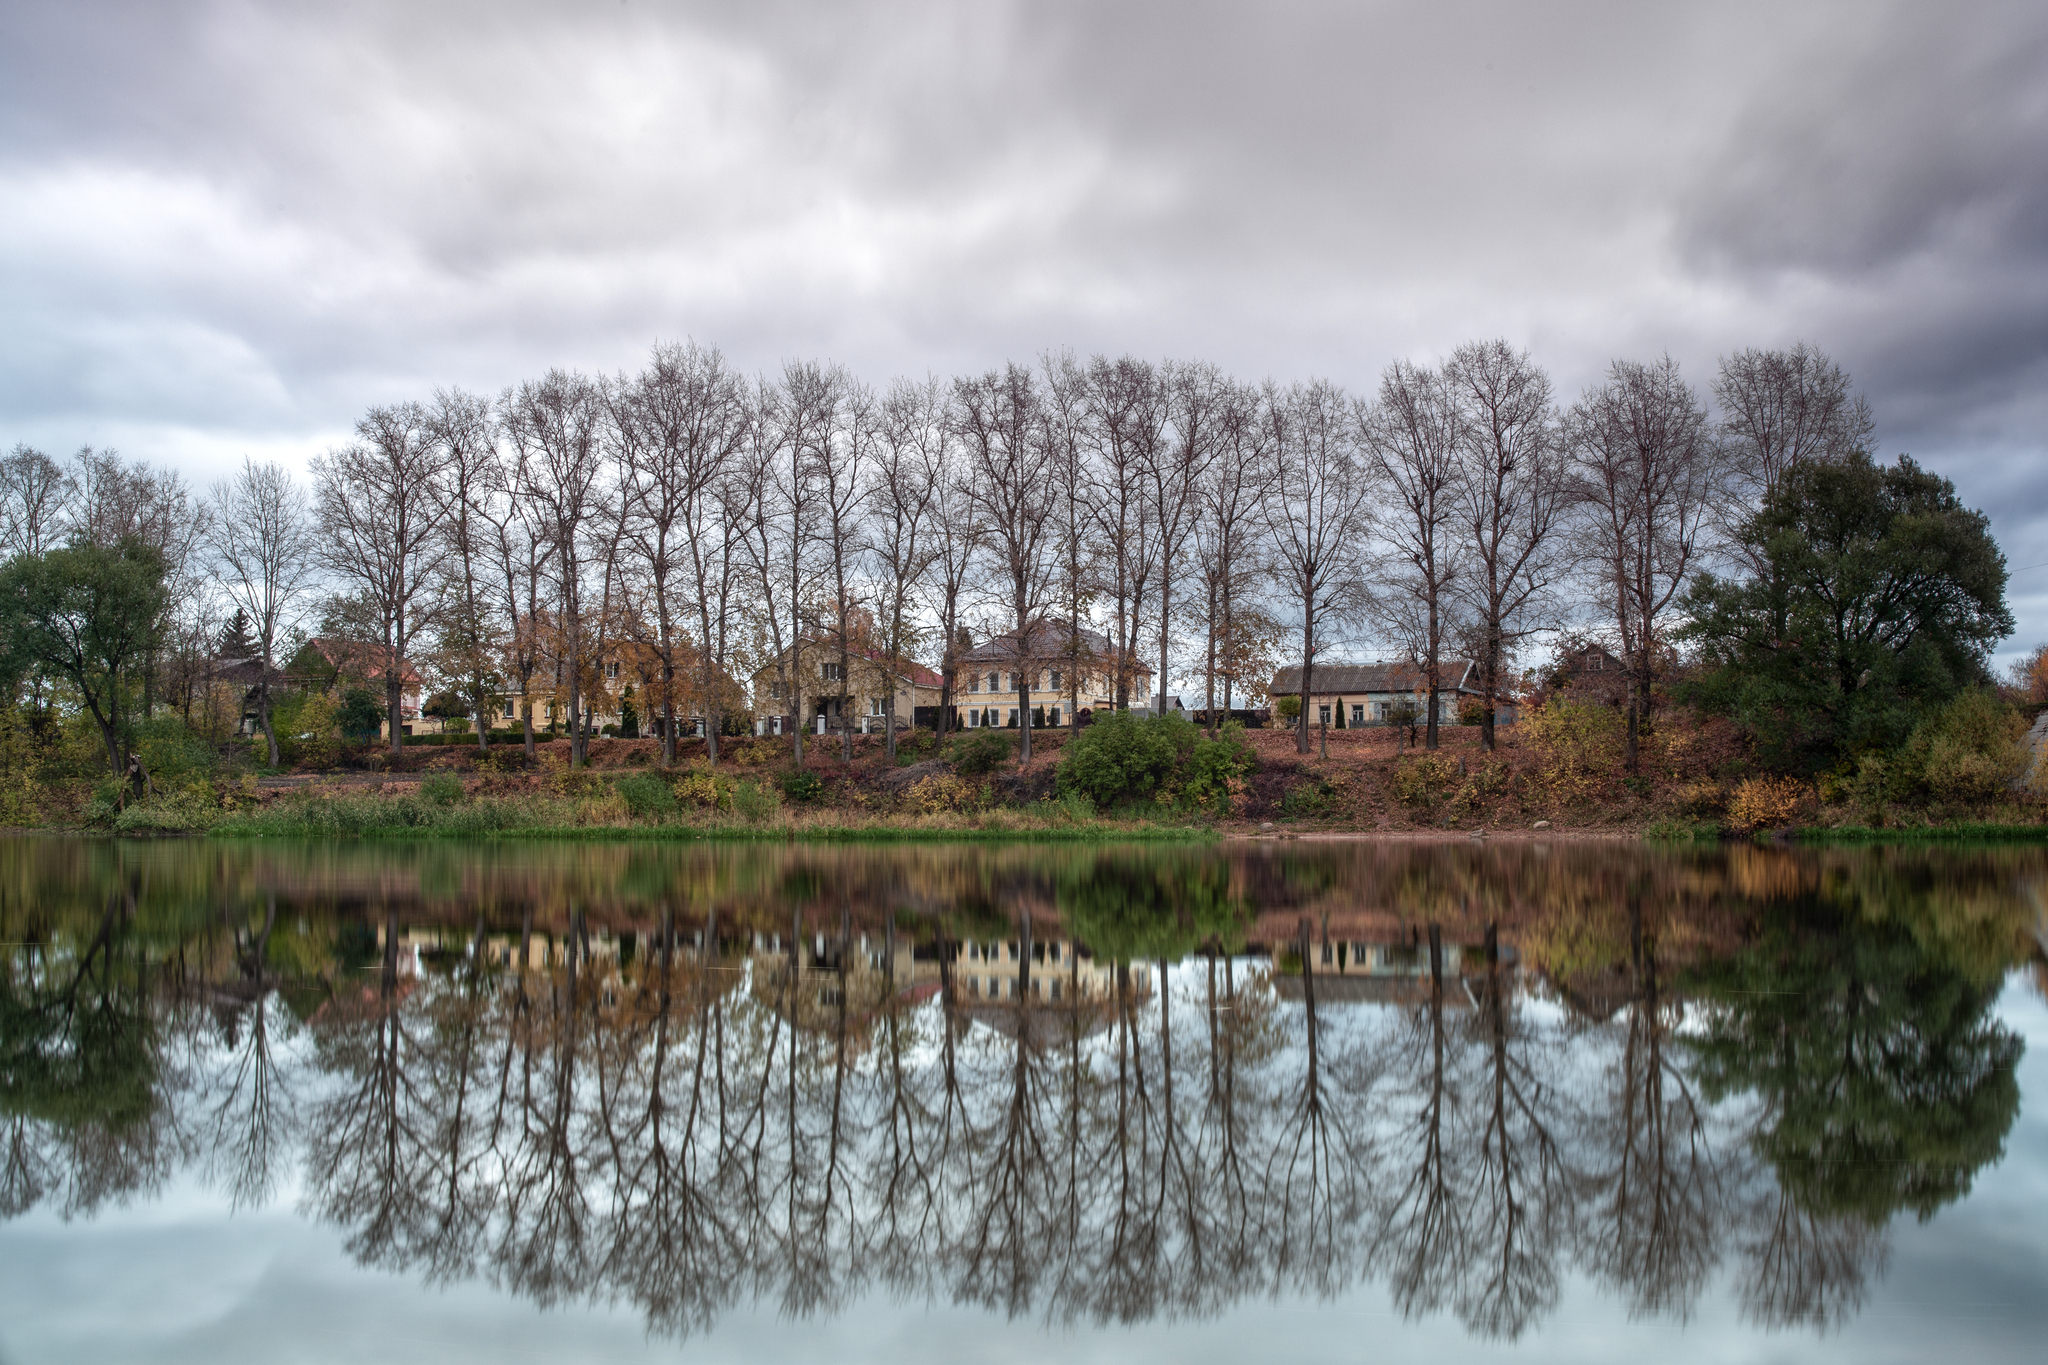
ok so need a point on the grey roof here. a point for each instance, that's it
(1335, 679)
(1047, 640)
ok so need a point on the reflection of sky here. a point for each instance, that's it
(176, 1279)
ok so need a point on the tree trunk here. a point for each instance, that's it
(1307, 668)
(263, 716)
(394, 706)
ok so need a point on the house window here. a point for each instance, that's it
(1056, 988)
(874, 706)
(511, 711)
(1357, 713)
(974, 682)
(611, 670)
(1326, 715)
(1054, 715)
(1053, 684)
(1013, 718)
(1592, 661)
(832, 672)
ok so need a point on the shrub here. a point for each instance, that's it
(1471, 711)
(1309, 798)
(1214, 772)
(645, 794)
(704, 790)
(1702, 798)
(1969, 751)
(979, 751)
(1426, 780)
(754, 802)
(181, 812)
(1580, 745)
(1122, 758)
(1288, 707)
(173, 755)
(939, 793)
(801, 785)
(1767, 801)
(441, 789)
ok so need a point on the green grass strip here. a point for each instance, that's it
(1960, 832)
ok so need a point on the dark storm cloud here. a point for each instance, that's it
(230, 227)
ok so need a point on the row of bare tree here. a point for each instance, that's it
(699, 525)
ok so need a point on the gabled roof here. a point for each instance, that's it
(1049, 639)
(1404, 676)
(362, 656)
(911, 672)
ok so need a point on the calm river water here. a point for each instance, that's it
(508, 1102)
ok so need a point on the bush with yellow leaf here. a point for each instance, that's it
(1765, 802)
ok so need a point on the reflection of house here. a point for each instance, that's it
(1059, 665)
(1348, 971)
(1356, 695)
(838, 693)
(1060, 973)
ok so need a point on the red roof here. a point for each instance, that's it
(371, 658)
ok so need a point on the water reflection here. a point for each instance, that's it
(1084, 1086)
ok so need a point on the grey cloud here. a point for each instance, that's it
(233, 225)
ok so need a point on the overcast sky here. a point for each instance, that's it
(229, 228)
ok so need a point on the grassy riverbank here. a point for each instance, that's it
(413, 817)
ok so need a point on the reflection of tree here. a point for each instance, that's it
(247, 1121)
(1655, 1212)
(1311, 1176)
(82, 1083)
(684, 1133)
(369, 1157)
(1519, 1194)
(1423, 1232)
(1885, 1085)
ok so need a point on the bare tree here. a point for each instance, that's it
(519, 552)
(555, 424)
(806, 411)
(35, 501)
(909, 467)
(1512, 500)
(1003, 424)
(1194, 395)
(1412, 437)
(843, 485)
(380, 516)
(959, 541)
(1232, 501)
(1780, 409)
(1066, 408)
(1126, 417)
(1317, 518)
(691, 409)
(1645, 466)
(263, 557)
(464, 432)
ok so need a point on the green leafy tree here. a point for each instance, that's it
(361, 713)
(88, 614)
(1886, 1082)
(1878, 596)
